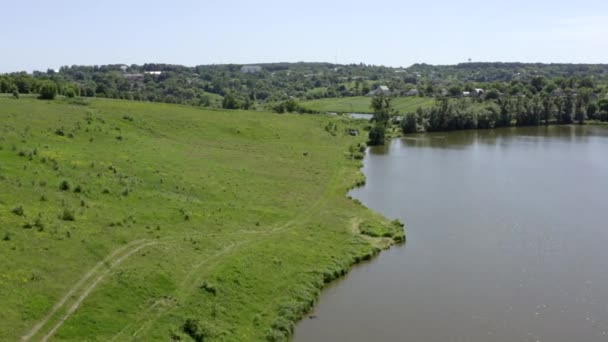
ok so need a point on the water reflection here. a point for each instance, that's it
(464, 139)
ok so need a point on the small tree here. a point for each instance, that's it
(48, 90)
(567, 109)
(15, 93)
(377, 134)
(579, 110)
(408, 125)
(383, 109)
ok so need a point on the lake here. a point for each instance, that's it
(507, 240)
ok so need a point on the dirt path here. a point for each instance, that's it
(91, 287)
(188, 284)
(81, 282)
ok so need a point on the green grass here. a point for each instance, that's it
(148, 218)
(361, 104)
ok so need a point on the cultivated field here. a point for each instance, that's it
(137, 221)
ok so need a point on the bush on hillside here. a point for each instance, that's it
(48, 90)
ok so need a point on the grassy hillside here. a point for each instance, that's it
(361, 104)
(136, 221)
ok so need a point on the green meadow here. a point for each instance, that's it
(127, 221)
(361, 104)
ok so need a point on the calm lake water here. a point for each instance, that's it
(507, 241)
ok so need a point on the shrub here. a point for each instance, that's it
(70, 92)
(67, 215)
(7, 236)
(38, 224)
(358, 155)
(279, 108)
(194, 329)
(78, 189)
(230, 102)
(18, 211)
(16, 94)
(64, 185)
(283, 325)
(48, 90)
(397, 223)
(209, 288)
(60, 132)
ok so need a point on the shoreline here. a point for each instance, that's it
(377, 241)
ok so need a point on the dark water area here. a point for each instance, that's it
(507, 241)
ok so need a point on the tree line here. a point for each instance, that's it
(209, 85)
(541, 109)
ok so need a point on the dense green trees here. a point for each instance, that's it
(463, 113)
(276, 83)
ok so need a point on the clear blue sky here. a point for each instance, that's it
(48, 34)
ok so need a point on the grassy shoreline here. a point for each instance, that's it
(176, 222)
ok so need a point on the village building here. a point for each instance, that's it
(250, 69)
(380, 90)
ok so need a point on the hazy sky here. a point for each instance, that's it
(48, 34)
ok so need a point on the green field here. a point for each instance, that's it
(138, 221)
(361, 104)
